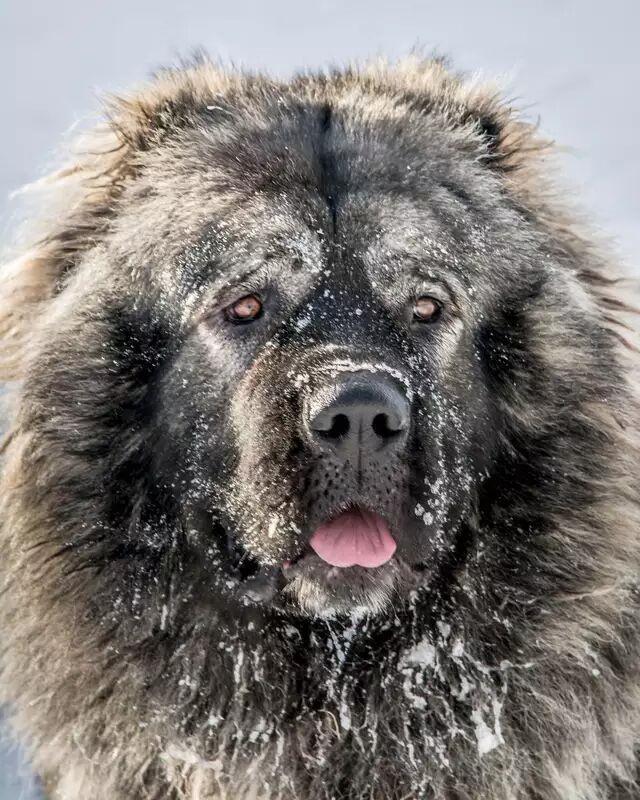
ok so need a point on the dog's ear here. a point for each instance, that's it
(492, 129)
(74, 207)
(67, 213)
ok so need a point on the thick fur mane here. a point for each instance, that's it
(521, 681)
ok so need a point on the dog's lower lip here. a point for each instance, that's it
(308, 553)
(290, 568)
(290, 564)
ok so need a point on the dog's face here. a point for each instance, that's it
(330, 398)
(324, 420)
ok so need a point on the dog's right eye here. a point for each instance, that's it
(426, 309)
(246, 309)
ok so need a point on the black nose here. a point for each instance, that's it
(368, 413)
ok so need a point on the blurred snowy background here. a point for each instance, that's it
(574, 63)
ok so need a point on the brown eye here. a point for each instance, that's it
(246, 309)
(426, 309)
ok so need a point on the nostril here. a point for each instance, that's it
(384, 427)
(338, 428)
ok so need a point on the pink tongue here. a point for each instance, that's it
(354, 537)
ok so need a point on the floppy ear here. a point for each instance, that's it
(76, 205)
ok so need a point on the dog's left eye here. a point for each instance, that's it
(246, 309)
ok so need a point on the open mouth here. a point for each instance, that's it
(350, 560)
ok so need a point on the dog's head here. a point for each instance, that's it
(317, 336)
(319, 348)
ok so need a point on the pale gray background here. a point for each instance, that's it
(573, 62)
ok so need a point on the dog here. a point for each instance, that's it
(320, 477)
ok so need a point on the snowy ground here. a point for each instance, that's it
(574, 63)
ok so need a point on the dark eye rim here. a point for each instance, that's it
(435, 317)
(234, 320)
